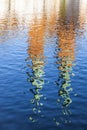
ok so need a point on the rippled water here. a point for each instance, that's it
(43, 64)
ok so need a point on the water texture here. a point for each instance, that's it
(43, 64)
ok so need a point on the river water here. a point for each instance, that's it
(43, 64)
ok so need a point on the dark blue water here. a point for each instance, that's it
(43, 65)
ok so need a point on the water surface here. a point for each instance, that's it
(43, 64)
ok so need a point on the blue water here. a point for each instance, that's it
(43, 65)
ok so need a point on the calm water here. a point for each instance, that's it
(43, 64)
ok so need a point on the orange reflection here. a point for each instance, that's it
(36, 34)
(66, 33)
(36, 54)
(66, 43)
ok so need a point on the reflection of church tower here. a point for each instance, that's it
(36, 54)
(65, 56)
(66, 43)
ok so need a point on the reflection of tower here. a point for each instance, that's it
(66, 54)
(36, 54)
(66, 36)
